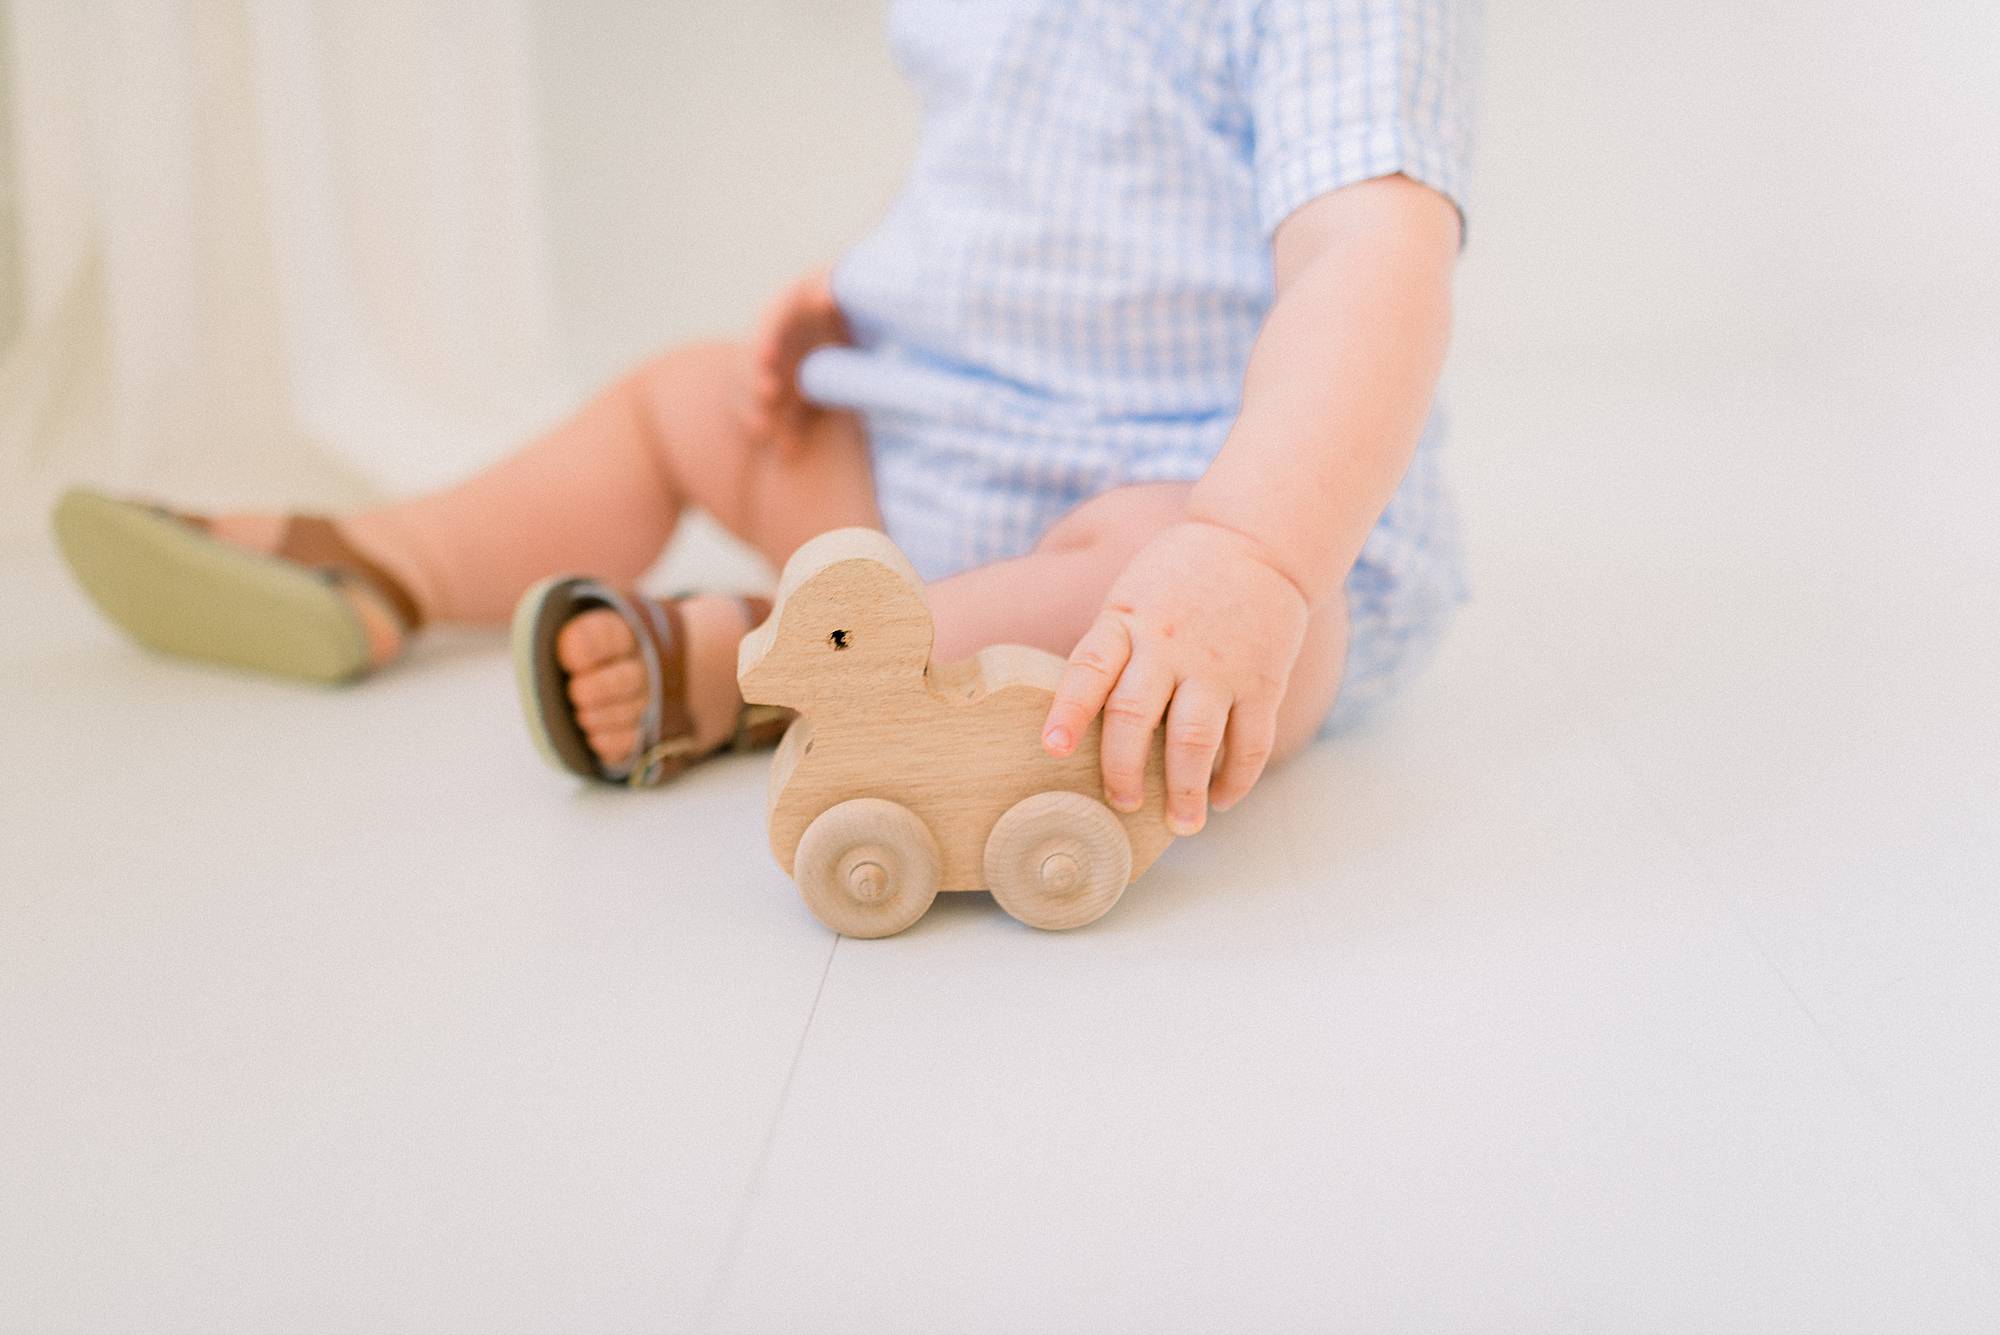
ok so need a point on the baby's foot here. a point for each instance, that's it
(607, 681)
(262, 533)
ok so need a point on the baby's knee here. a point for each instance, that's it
(677, 371)
(1119, 521)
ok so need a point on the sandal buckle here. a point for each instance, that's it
(645, 770)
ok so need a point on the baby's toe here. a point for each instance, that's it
(592, 639)
(613, 745)
(619, 715)
(621, 680)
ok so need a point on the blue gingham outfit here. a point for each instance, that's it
(1063, 298)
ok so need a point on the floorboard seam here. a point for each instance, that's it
(734, 1242)
(1716, 886)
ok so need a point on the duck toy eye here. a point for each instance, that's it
(838, 639)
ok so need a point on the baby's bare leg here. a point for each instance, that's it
(695, 445)
(1049, 598)
(602, 493)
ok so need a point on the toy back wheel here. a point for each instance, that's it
(1058, 860)
(868, 867)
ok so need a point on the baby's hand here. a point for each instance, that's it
(1199, 629)
(803, 317)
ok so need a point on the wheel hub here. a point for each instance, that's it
(1060, 873)
(867, 879)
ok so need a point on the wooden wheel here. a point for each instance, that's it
(1058, 860)
(867, 867)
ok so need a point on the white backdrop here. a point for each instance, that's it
(301, 249)
(304, 249)
(1719, 250)
(272, 243)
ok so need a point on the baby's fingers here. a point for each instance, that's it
(767, 348)
(1086, 683)
(1130, 715)
(767, 388)
(1195, 724)
(1246, 749)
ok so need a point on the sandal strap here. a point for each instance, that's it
(666, 744)
(666, 730)
(314, 540)
(758, 726)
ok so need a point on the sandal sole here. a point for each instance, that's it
(532, 664)
(178, 591)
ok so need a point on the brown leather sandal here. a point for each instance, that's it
(165, 580)
(666, 745)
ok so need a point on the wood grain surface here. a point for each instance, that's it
(848, 645)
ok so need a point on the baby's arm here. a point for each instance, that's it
(1203, 627)
(1340, 381)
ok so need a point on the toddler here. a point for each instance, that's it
(1137, 369)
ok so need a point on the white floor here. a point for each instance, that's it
(1640, 971)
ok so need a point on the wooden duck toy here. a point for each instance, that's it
(902, 777)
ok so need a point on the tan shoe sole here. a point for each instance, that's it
(173, 588)
(538, 678)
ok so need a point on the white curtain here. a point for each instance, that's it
(264, 251)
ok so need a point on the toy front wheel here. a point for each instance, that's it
(1058, 860)
(868, 867)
